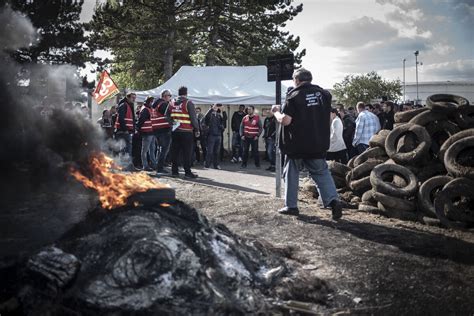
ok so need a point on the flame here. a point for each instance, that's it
(114, 187)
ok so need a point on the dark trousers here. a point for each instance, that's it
(339, 156)
(164, 142)
(182, 143)
(202, 142)
(213, 150)
(247, 143)
(271, 150)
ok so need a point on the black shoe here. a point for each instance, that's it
(257, 166)
(336, 207)
(289, 211)
(175, 174)
(190, 175)
(162, 171)
(218, 167)
(148, 169)
(243, 166)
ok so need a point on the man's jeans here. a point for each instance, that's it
(360, 148)
(146, 144)
(164, 142)
(152, 153)
(318, 169)
(271, 150)
(213, 150)
(236, 145)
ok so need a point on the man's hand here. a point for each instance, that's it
(276, 108)
(255, 138)
(243, 137)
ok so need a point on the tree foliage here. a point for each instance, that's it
(366, 88)
(61, 35)
(151, 39)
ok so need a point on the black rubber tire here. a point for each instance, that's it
(340, 182)
(368, 198)
(443, 203)
(406, 116)
(395, 203)
(424, 143)
(364, 169)
(426, 117)
(440, 131)
(465, 117)
(452, 155)
(407, 143)
(362, 207)
(350, 163)
(431, 169)
(376, 152)
(379, 185)
(427, 194)
(349, 179)
(412, 168)
(360, 186)
(395, 213)
(451, 140)
(338, 169)
(378, 140)
(446, 103)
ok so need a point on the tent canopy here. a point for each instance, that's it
(220, 84)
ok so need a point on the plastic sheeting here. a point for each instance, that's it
(220, 84)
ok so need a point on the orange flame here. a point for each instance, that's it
(114, 188)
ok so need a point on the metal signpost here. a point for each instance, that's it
(279, 67)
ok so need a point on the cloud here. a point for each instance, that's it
(462, 69)
(355, 33)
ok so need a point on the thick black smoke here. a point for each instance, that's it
(39, 138)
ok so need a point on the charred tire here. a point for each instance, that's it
(376, 152)
(368, 198)
(406, 116)
(427, 194)
(360, 186)
(378, 140)
(451, 140)
(426, 117)
(443, 203)
(364, 169)
(395, 213)
(465, 117)
(368, 208)
(349, 179)
(350, 163)
(445, 103)
(395, 203)
(338, 169)
(340, 182)
(379, 185)
(424, 143)
(452, 155)
(431, 170)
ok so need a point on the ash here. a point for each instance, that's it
(158, 260)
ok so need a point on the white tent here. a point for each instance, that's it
(220, 84)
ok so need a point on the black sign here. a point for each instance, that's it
(280, 67)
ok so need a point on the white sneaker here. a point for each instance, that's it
(233, 160)
(240, 159)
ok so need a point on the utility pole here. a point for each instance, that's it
(416, 70)
(404, 85)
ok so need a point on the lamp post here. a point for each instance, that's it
(404, 90)
(416, 71)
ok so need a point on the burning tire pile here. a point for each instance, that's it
(422, 170)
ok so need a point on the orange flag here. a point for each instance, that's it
(106, 88)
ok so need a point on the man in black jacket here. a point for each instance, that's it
(125, 127)
(215, 122)
(237, 118)
(349, 125)
(269, 134)
(304, 138)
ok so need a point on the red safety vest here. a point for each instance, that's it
(147, 127)
(128, 119)
(179, 113)
(158, 120)
(251, 128)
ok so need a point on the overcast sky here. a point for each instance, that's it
(358, 36)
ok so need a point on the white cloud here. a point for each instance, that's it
(458, 69)
(355, 33)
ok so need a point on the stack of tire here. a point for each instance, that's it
(424, 168)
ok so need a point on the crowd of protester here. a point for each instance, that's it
(172, 132)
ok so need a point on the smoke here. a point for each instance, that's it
(39, 137)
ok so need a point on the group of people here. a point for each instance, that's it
(352, 129)
(167, 129)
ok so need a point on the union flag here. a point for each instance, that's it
(106, 88)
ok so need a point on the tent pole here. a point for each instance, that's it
(278, 154)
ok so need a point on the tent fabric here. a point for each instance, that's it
(220, 84)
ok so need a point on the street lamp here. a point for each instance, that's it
(404, 90)
(416, 70)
